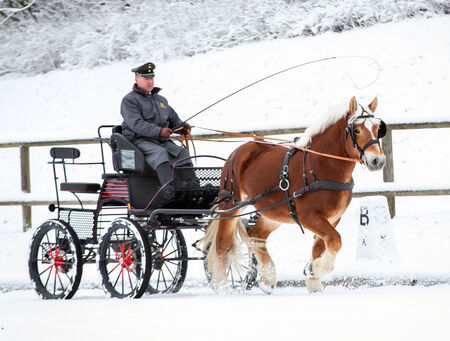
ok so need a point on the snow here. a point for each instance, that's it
(389, 313)
(412, 87)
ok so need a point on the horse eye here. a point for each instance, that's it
(356, 131)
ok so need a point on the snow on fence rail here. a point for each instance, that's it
(388, 170)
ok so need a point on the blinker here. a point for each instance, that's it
(381, 129)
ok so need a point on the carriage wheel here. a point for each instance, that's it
(240, 276)
(124, 259)
(169, 254)
(55, 264)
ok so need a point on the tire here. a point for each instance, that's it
(169, 254)
(243, 278)
(124, 259)
(55, 264)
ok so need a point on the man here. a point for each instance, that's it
(148, 122)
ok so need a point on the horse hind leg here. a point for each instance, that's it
(266, 267)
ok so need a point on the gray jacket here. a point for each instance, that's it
(145, 114)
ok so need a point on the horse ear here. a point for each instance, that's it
(373, 105)
(353, 106)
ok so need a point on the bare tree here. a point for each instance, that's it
(11, 10)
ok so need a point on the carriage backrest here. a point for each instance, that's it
(64, 153)
(126, 156)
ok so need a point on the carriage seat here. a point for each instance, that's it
(80, 187)
(64, 153)
(126, 156)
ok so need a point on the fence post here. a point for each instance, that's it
(388, 170)
(26, 185)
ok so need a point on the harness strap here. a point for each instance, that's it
(350, 131)
(229, 173)
(316, 186)
(324, 185)
(284, 186)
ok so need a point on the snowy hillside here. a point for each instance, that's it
(77, 34)
(412, 85)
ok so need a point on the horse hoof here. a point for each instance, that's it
(313, 284)
(224, 289)
(266, 288)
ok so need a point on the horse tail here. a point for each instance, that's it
(239, 252)
(209, 246)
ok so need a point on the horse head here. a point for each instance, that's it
(363, 134)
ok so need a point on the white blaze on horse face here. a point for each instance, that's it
(369, 123)
(373, 158)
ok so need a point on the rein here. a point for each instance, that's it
(342, 158)
(283, 185)
(185, 138)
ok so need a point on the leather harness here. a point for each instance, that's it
(283, 185)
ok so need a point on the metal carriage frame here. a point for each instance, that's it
(135, 232)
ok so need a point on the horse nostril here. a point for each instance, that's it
(375, 162)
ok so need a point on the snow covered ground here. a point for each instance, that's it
(413, 86)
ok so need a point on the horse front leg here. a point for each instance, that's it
(327, 243)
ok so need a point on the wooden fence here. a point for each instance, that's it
(388, 171)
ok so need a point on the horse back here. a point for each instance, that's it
(255, 166)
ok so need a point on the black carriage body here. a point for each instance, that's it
(131, 194)
(134, 190)
(135, 228)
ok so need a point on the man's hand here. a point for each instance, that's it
(165, 132)
(187, 128)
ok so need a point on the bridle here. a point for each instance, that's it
(350, 131)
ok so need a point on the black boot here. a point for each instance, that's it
(188, 179)
(165, 175)
(164, 172)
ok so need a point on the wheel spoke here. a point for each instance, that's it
(48, 277)
(172, 262)
(123, 280)
(164, 278)
(61, 283)
(113, 269)
(157, 282)
(165, 256)
(131, 284)
(69, 278)
(45, 270)
(170, 272)
(117, 279)
(48, 240)
(166, 243)
(54, 281)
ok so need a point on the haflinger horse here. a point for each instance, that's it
(319, 187)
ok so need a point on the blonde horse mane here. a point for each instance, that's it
(334, 114)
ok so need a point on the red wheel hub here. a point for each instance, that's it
(125, 257)
(56, 260)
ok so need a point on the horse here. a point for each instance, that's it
(329, 150)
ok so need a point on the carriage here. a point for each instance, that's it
(135, 232)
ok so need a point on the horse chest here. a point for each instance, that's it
(337, 210)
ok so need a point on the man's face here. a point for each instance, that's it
(144, 83)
